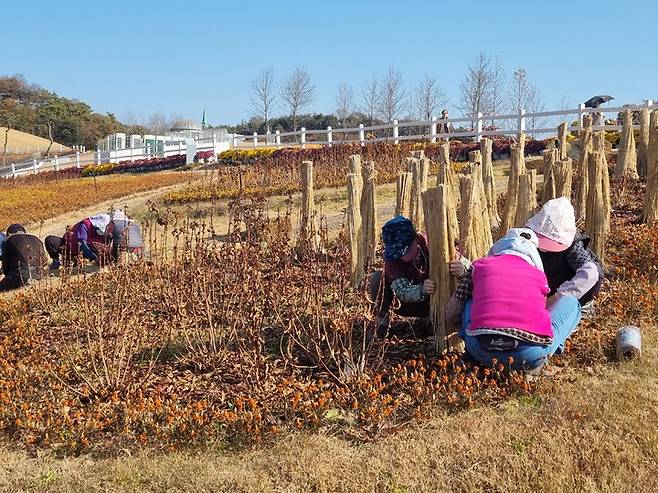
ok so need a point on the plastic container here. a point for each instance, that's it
(629, 342)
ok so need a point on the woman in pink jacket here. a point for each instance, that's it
(502, 303)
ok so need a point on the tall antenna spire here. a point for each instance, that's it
(203, 120)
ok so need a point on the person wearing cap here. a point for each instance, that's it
(501, 304)
(86, 238)
(405, 275)
(23, 258)
(571, 268)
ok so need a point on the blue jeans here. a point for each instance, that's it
(565, 315)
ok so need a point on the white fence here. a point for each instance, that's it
(510, 124)
(80, 159)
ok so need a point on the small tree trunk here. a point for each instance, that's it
(650, 211)
(562, 141)
(354, 230)
(562, 173)
(627, 155)
(550, 158)
(643, 144)
(489, 182)
(527, 203)
(437, 203)
(4, 147)
(369, 215)
(50, 137)
(403, 196)
(597, 224)
(583, 159)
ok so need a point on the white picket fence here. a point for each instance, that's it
(510, 124)
(80, 159)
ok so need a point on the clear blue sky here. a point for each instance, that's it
(177, 57)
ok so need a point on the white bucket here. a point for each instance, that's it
(629, 342)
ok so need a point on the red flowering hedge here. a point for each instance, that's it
(138, 166)
(382, 152)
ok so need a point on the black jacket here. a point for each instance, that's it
(23, 257)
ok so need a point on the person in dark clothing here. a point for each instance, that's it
(23, 259)
(405, 275)
(571, 268)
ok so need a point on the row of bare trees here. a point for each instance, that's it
(484, 89)
(297, 93)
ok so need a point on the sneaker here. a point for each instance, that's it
(588, 310)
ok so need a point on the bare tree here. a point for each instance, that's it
(523, 94)
(496, 91)
(370, 98)
(344, 102)
(481, 90)
(393, 95)
(158, 123)
(475, 87)
(429, 98)
(297, 93)
(263, 94)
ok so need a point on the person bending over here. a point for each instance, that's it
(502, 305)
(23, 258)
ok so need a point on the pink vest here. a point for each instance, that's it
(508, 292)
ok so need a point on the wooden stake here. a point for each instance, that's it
(583, 160)
(627, 155)
(643, 144)
(369, 215)
(597, 223)
(562, 173)
(403, 197)
(416, 193)
(354, 226)
(475, 157)
(308, 231)
(474, 242)
(441, 243)
(489, 182)
(650, 211)
(562, 141)
(446, 175)
(517, 168)
(550, 157)
(527, 203)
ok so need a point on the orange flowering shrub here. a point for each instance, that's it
(230, 342)
(33, 199)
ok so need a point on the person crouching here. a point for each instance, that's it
(502, 303)
(405, 274)
(23, 258)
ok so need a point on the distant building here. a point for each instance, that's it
(179, 132)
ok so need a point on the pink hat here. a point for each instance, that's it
(555, 225)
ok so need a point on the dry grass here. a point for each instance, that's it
(586, 431)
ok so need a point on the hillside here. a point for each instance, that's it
(22, 141)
